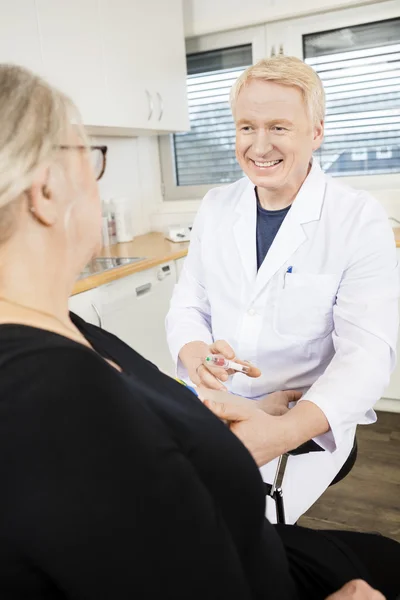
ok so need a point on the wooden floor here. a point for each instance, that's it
(368, 499)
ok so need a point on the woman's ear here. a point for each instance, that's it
(41, 199)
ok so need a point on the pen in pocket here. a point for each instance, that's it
(288, 271)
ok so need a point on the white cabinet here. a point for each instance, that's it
(86, 306)
(208, 16)
(19, 35)
(167, 64)
(72, 54)
(134, 309)
(126, 42)
(179, 266)
(145, 64)
(122, 61)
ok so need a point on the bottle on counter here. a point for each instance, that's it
(105, 236)
(108, 213)
(123, 219)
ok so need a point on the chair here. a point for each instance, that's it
(274, 490)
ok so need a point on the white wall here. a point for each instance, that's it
(209, 16)
(133, 170)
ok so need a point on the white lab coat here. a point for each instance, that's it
(328, 328)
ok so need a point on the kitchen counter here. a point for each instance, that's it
(152, 246)
(155, 249)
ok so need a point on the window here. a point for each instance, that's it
(192, 163)
(206, 154)
(360, 70)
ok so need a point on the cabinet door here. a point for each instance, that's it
(19, 35)
(127, 41)
(179, 266)
(145, 64)
(167, 66)
(134, 309)
(72, 53)
(86, 306)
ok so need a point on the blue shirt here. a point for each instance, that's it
(268, 224)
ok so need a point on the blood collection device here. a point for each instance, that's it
(220, 361)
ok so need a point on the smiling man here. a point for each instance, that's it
(296, 273)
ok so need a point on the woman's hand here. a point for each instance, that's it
(261, 433)
(356, 590)
(266, 436)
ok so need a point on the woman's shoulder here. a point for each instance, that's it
(37, 359)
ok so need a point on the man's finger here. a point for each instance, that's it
(252, 370)
(208, 380)
(222, 347)
(218, 372)
(293, 395)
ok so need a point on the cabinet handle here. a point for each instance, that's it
(96, 310)
(143, 289)
(151, 105)
(273, 51)
(281, 51)
(161, 106)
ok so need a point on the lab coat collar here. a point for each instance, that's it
(306, 207)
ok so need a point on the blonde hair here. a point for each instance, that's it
(35, 118)
(290, 71)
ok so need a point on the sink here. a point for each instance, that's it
(101, 264)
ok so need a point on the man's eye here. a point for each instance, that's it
(246, 128)
(277, 128)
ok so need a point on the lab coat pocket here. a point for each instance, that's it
(304, 307)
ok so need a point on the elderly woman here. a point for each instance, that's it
(117, 482)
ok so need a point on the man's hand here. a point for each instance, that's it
(193, 357)
(277, 403)
(356, 590)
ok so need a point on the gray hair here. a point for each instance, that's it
(35, 118)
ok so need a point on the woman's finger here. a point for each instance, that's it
(226, 411)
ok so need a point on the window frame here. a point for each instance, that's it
(250, 35)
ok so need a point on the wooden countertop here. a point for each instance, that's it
(152, 246)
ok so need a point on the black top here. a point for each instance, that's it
(268, 224)
(122, 485)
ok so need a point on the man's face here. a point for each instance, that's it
(275, 135)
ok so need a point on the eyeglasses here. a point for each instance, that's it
(98, 157)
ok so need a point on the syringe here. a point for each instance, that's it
(220, 361)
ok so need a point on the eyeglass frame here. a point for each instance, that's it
(103, 150)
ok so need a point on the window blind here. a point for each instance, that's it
(206, 154)
(360, 69)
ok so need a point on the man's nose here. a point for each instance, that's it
(262, 143)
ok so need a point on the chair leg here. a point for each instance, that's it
(274, 490)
